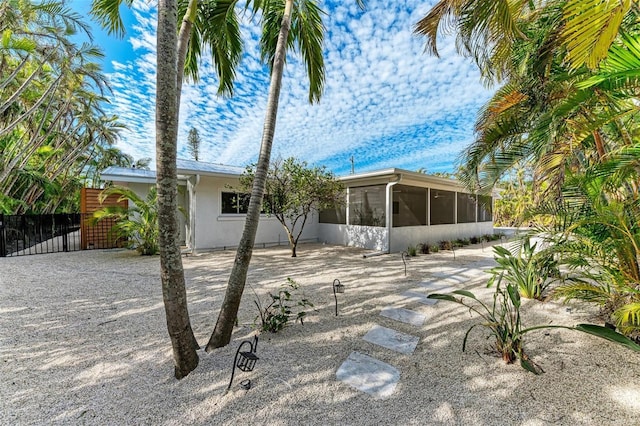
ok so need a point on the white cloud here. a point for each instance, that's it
(385, 101)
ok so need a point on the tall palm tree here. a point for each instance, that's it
(286, 23)
(50, 95)
(210, 23)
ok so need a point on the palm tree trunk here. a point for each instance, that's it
(228, 312)
(172, 274)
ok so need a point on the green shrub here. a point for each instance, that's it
(138, 224)
(412, 251)
(528, 271)
(435, 248)
(424, 248)
(504, 322)
(275, 316)
(445, 245)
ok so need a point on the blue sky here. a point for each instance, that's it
(386, 102)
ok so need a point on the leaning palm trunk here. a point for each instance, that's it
(172, 274)
(224, 326)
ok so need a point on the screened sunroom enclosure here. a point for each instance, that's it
(392, 209)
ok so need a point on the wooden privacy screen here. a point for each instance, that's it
(94, 236)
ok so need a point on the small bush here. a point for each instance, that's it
(412, 251)
(424, 248)
(445, 245)
(435, 248)
(474, 240)
(275, 316)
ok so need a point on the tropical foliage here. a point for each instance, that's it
(293, 191)
(136, 224)
(567, 108)
(52, 91)
(504, 321)
(275, 315)
(530, 271)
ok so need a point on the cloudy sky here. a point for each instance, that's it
(386, 102)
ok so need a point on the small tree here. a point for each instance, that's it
(193, 143)
(293, 190)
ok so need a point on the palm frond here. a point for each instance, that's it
(591, 26)
(107, 13)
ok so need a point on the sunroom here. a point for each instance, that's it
(388, 210)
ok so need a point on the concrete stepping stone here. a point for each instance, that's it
(392, 339)
(369, 375)
(419, 297)
(404, 315)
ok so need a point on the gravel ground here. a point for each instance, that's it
(83, 341)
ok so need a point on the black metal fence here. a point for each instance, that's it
(22, 235)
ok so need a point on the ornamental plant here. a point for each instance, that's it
(503, 320)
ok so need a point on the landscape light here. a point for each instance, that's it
(245, 361)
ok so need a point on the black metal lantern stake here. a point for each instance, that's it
(245, 361)
(337, 288)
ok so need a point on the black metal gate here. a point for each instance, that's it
(35, 234)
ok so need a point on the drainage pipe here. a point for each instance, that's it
(389, 206)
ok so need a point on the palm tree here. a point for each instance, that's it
(304, 20)
(575, 123)
(210, 23)
(50, 115)
(138, 224)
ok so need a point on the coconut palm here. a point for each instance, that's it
(286, 23)
(211, 24)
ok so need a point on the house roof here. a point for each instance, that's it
(184, 168)
(125, 174)
(190, 167)
(394, 174)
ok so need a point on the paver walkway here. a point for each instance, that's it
(378, 378)
(392, 339)
(369, 375)
(404, 315)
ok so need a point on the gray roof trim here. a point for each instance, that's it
(125, 174)
(405, 174)
(193, 167)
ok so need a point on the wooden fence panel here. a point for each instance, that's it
(97, 236)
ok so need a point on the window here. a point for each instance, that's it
(466, 208)
(485, 212)
(409, 206)
(235, 203)
(442, 204)
(336, 214)
(367, 205)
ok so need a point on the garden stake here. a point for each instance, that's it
(337, 288)
(404, 253)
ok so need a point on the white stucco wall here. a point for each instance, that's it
(368, 237)
(405, 236)
(213, 230)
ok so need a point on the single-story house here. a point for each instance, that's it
(385, 210)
